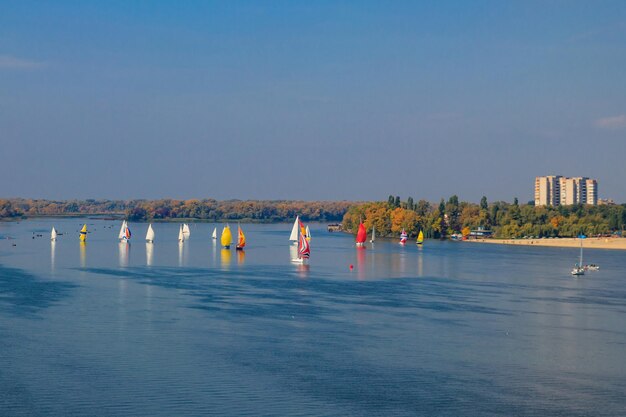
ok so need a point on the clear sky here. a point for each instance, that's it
(310, 100)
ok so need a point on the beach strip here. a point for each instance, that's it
(588, 243)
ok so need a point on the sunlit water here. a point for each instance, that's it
(167, 330)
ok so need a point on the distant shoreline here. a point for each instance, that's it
(614, 243)
(121, 216)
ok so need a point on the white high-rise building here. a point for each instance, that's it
(554, 190)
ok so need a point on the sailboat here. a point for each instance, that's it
(150, 234)
(373, 235)
(579, 269)
(227, 237)
(181, 235)
(293, 237)
(304, 250)
(214, 235)
(403, 237)
(186, 231)
(53, 234)
(241, 239)
(83, 233)
(124, 232)
(420, 238)
(308, 233)
(361, 236)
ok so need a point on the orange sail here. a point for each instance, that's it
(241, 239)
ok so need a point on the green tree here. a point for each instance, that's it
(483, 203)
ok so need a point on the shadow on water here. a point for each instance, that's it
(273, 292)
(23, 294)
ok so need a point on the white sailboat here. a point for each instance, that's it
(53, 234)
(373, 235)
(150, 234)
(293, 237)
(125, 234)
(181, 235)
(122, 233)
(214, 235)
(579, 269)
(186, 231)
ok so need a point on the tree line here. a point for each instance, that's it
(168, 209)
(505, 220)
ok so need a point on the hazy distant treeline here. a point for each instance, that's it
(506, 220)
(208, 210)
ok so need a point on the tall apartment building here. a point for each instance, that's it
(547, 190)
(554, 190)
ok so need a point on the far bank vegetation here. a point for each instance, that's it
(506, 220)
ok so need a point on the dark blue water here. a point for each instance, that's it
(449, 329)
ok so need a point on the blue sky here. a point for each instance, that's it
(310, 100)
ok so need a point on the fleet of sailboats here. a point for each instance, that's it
(300, 234)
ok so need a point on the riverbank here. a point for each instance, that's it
(589, 243)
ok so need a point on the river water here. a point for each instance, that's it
(450, 329)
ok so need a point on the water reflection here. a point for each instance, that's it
(303, 270)
(225, 257)
(360, 263)
(241, 257)
(214, 252)
(181, 248)
(83, 254)
(149, 253)
(124, 253)
(53, 245)
(420, 261)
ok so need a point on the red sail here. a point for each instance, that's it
(304, 251)
(361, 235)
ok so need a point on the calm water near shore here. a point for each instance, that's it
(451, 329)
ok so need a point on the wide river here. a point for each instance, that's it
(450, 329)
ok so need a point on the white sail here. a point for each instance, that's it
(122, 231)
(53, 234)
(150, 234)
(214, 235)
(373, 235)
(308, 233)
(181, 235)
(294, 230)
(186, 231)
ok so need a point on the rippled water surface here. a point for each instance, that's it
(168, 330)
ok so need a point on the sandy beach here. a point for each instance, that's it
(591, 242)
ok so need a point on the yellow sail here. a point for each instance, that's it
(83, 233)
(227, 237)
(420, 238)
